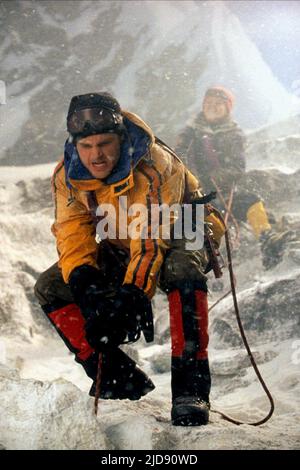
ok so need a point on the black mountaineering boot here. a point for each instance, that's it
(273, 245)
(189, 411)
(190, 392)
(120, 377)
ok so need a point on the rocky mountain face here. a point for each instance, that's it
(156, 57)
(277, 146)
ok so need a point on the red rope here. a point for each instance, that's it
(98, 383)
(245, 341)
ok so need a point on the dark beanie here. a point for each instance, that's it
(102, 101)
(94, 100)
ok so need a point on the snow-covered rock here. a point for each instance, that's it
(275, 146)
(269, 312)
(57, 415)
(46, 415)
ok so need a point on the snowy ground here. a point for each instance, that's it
(43, 393)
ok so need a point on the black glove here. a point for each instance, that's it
(113, 315)
(84, 282)
(117, 315)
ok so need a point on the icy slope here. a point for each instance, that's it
(57, 415)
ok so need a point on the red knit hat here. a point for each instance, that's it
(223, 93)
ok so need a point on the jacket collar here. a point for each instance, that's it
(201, 125)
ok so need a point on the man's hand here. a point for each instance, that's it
(117, 316)
(111, 316)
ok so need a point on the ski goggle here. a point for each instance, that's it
(93, 120)
(218, 93)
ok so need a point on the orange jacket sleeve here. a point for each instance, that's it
(73, 228)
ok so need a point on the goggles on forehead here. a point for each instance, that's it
(217, 94)
(93, 120)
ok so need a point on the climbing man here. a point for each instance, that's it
(98, 295)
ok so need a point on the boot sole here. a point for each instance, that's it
(123, 394)
(189, 416)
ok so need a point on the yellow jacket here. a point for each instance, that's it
(155, 176)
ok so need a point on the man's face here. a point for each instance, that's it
(214, 109)
(99, 153)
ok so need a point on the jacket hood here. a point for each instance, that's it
(137, 142)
